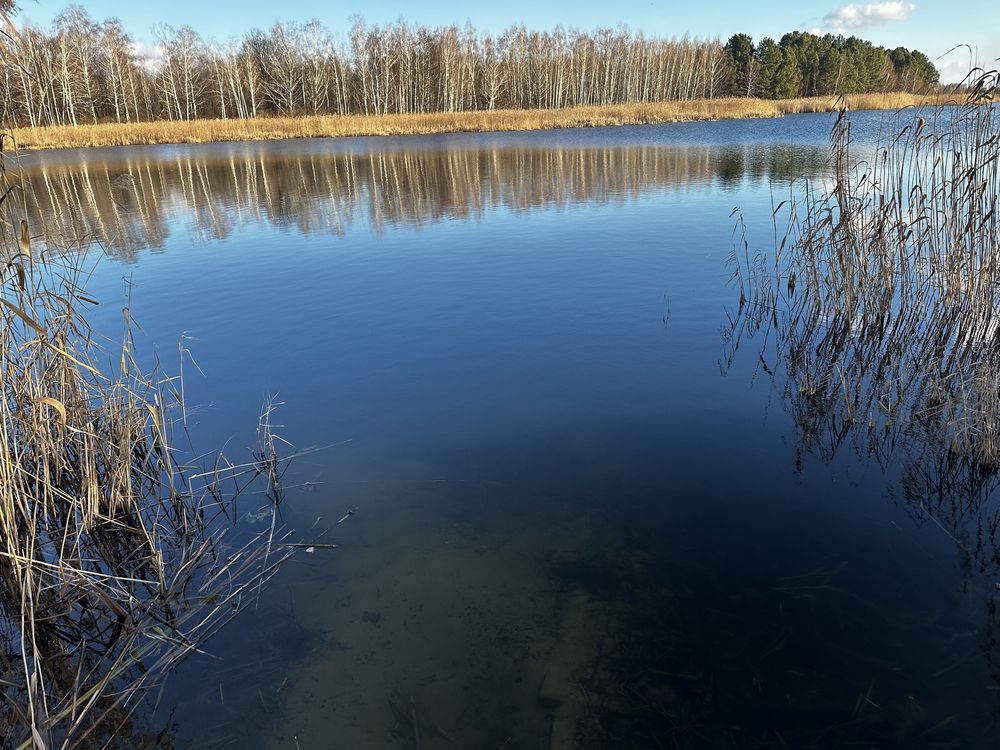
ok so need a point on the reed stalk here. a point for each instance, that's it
(878, 312)
(114, 561)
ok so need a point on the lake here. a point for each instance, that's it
(583, 516)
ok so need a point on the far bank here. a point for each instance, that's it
(331, 126)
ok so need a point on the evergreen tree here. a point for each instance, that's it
(743, 64)
(804, 64)
(769, 60)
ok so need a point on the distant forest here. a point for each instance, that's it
(84, 71)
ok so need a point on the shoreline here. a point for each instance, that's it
(337, 126)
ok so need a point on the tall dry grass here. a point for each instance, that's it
(325, 126)
(113, 562)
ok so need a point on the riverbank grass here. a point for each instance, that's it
(327, 126)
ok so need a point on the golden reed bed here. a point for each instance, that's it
(321, 126)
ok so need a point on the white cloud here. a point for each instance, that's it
(149, 56)
(853, 17)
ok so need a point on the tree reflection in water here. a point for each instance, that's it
(130, 201)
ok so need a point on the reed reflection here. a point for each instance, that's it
(134, 203)
(878, 320)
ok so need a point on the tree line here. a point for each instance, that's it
(803, 64)
(84, 71)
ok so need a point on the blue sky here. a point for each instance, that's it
(933, 26)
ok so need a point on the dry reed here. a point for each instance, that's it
(323, 126)
(880, 307)
(112, 562)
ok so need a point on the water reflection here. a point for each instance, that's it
(130, 202)
(876, 320)
(570, 533)
(910, 388)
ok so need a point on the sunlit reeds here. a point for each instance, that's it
(270, 128)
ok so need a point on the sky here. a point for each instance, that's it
(932, 26)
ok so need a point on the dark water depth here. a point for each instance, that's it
(585, 517)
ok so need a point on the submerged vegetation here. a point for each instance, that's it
(876, 315)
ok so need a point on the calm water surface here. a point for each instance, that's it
(578, 524)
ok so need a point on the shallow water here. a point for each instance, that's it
(578, 525)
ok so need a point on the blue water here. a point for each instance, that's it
(577, 526)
